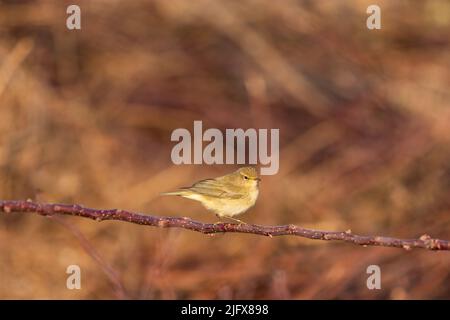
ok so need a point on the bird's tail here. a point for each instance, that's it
(174, 193)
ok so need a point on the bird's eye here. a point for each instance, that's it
(245, 177)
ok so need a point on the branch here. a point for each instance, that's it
(46, 209)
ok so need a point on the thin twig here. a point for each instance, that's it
(47, 209)
(94, 254)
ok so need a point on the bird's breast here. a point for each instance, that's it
(253, 195)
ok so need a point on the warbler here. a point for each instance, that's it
(227, 196)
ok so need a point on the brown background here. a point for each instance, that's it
(86, 117)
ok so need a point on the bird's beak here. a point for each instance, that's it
(258, 179)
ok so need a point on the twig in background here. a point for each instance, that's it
(93, 253)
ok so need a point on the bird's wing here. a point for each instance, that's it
(213, 188)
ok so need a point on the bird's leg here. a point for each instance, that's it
(231, 218)
(218, 222)
(239, 221)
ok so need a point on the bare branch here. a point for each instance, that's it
(47, 209)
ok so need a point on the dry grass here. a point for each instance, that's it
(86, 117)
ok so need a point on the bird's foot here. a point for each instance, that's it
(237, 220)
(230, 218)
(220, 221)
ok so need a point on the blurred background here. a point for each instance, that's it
(86, 117)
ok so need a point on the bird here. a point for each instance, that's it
(227, 196)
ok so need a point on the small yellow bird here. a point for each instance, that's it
(227, 196)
